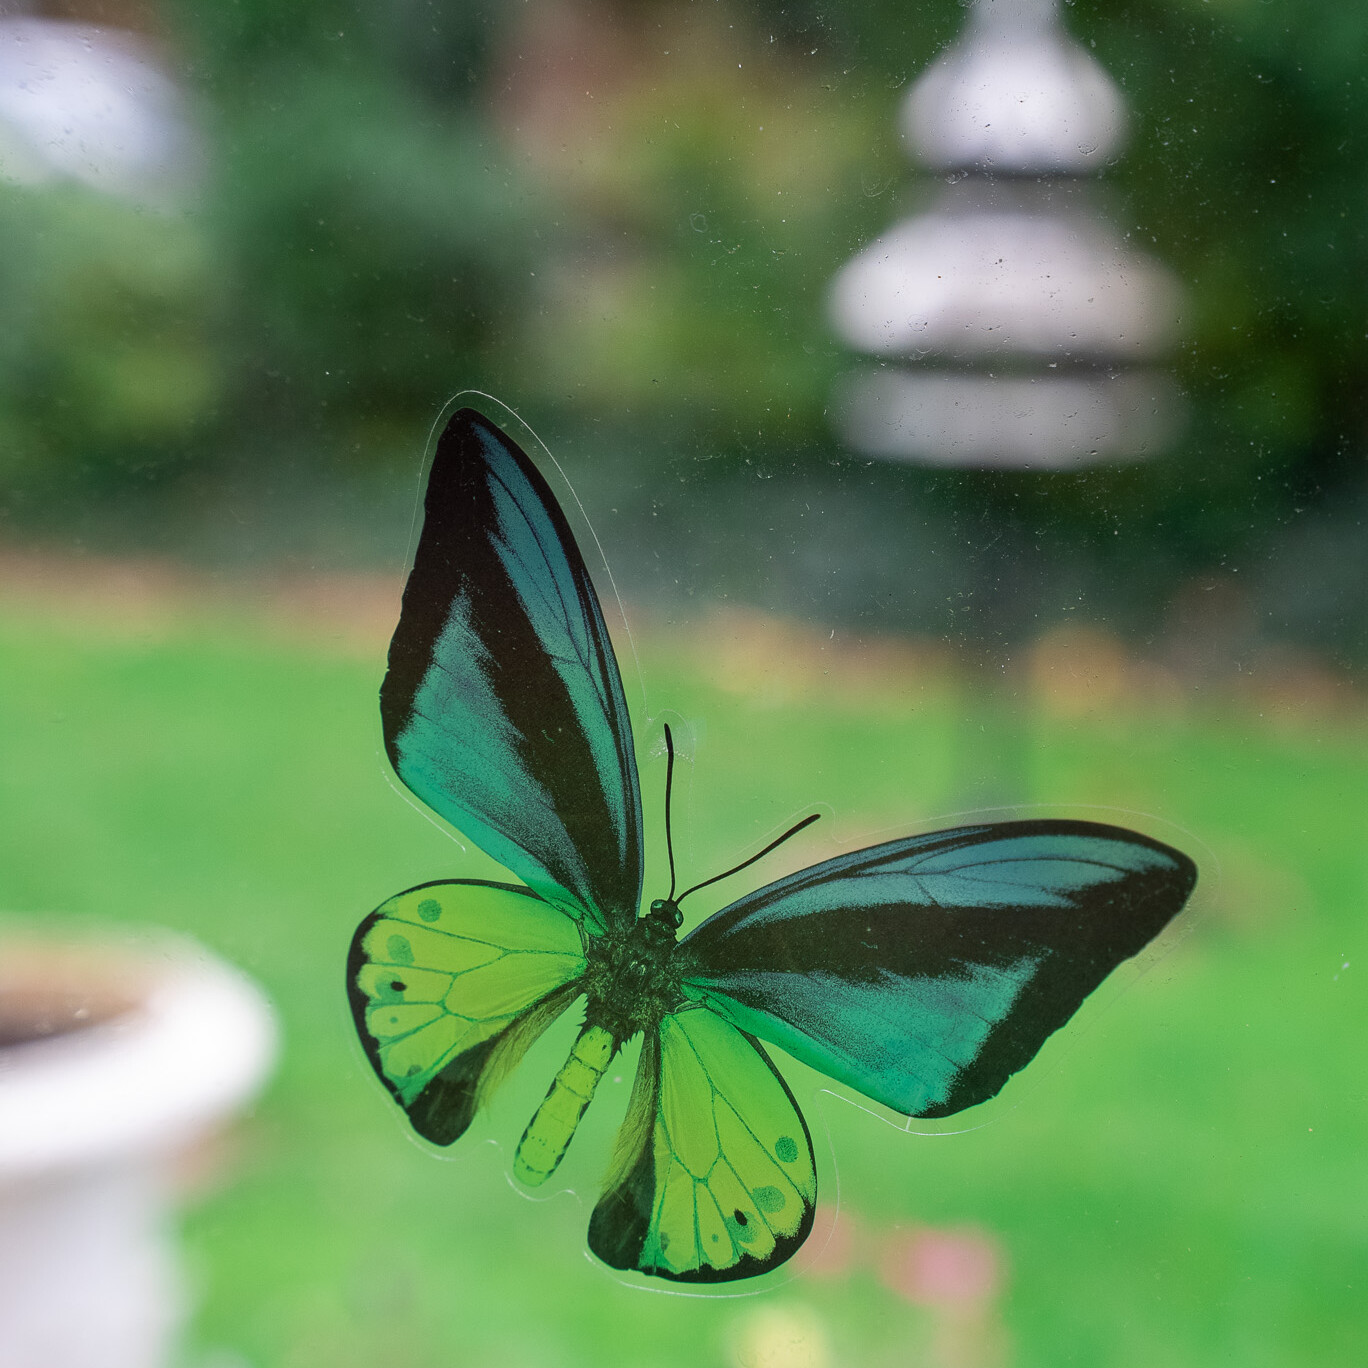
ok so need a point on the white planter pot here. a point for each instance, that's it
(111, 1064)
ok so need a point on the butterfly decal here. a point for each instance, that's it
(921, 973)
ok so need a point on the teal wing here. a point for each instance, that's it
(925, 972)
(714, 1177)
(503, 708)
(450, 983)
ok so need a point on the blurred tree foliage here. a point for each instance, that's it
(622, 218)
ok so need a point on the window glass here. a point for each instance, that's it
(963, 411)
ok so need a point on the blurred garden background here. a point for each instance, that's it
(622, 220)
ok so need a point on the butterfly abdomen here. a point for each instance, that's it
(550, 1131)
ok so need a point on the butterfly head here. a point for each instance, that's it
(665, 918)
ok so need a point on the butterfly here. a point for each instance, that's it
(921, 973)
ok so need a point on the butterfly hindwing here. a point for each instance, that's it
(503, 708)
(715, 1178)
(925, 972)
(449, 985)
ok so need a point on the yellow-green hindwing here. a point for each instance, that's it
(723, 1184)
(450, 983)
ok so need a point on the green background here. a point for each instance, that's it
(1177, 1179)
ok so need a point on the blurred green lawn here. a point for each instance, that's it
(1181, 1178)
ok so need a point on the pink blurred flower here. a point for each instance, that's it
(953, 1268)
(830, 1251)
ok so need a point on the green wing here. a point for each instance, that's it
(714, 1176)
(925, 972)
(450, 983)
(503, 707)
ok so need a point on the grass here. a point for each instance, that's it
(1179, 1180)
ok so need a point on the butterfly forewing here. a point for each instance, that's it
(722, 1181)
(503, 708)
(925, 972)
(449, 985)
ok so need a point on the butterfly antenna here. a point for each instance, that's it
(669, 781)
(792, 831)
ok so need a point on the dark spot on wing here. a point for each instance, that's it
(768, 1198)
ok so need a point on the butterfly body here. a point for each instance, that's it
(921, 973)
(631, 983)
(551, 1129)
(632, 976)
